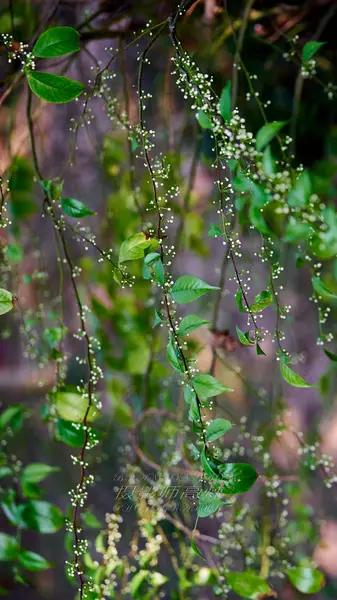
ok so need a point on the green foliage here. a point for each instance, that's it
(306, 580)
(267, 133)
(53, 88)
(6, 301)
(188, 289)
(57, 41)
(75, 208)
(309, 50)
(248, 585)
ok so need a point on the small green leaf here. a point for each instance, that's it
(42, 516)
(293, 378)
(210, 465)
(194, 414)
(190, 323)
(237, 477)
(157, 319)
(268, 162)
(53, 88)
(75, 208)
(296, 232)
(57, 41)
(174, 356)
(137, 580)
(214, 231)
(70, 433)
(196, 549)
(14, 253)
(217, 428)
(267, 133)
(239, 301)
(6, 301)
(261, 301)
(133, 247)
(300, 193)
(203, 120)
(309, 49)
(72, 407)
(226, 101)
(322, 290)
(330, 355)
(153, 259)
(208, 504)
(36, 472)
(32, 561)
(244, 337)
(248, 585)
(187, 289)
(259, 350)
(8, 547)
(206, 386)
(90, 520)
(306, 580)
(189, 393)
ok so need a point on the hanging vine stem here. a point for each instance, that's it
(93, 373)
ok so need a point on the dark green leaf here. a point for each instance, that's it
(259, 350)
(309, 49)
(261, 301)
(248, 585)
(244, 337)
(53, 88)
(214, 231)
(196, 549)
(32, 561)
(217, 428)
(174, 356)
(12, 417)
(322, 290)
(226, 101)
(190, 323)
(75, 208)
(42, 516)
(90, 520)
(70, 433)
(57, 41)
(239, 301)
(8, 547)
(267, 133)
(203, 120)
(187, 289)
(237, 477)
(331, 355)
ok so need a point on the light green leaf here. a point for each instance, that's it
(244, 337)
(32, 561)
(248, 585)
(42, 516)
(226, 101)
(57, 41)
(190, 323)
(237, 477)
(8, 547)
(306, 580)
(72, 407)
(137, 581)
(239, 301)
(268, 162)
(209, 503)
(296, 232)
(267, 133)
(36, 472)
(174, 356)
(322, 290)
(53, 88)
(12, 417)
(214, 231)
(203, 120)
(6, 301)
(300, 193)
(157, 319)
(206, 386)
(196, 549)
(133, 247)
(75, 208)
(261, 301)
(293, 378)
(187, 289)
(309, 49)
(194, 414)
(90, 520)
(14, 253)
(153, 259)
(217, 428)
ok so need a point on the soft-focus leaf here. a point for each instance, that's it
(209, 503)
(306, 580)
(322, 290)
(36, 472)
(248, 585)
(8, 547)
(204, 121)
(32, 561)
(42, 516)
(267, 133)
(226, 101)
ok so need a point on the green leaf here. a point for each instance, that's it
(53, 335)
(6, 301)
(259, 350)
(70, 433)
(257, 219)
(203, 120)
(330, 355)
(209, 503)
(190, 323)
(261, 301)
(5, 471)
(32, 561)
(14, 253)
(8, 547)
(267, 133)
(237, 477)
(248, 585)
(42, 516)
(174, 357)
(244, 337)
(210, 465)
(137, 580)
(193, 414)
(300, 193)
(153, 259)
(268, 162)
(57, 41)
(239, 301)
(293, 378)
(36, 472)
(133, 247)
(322, 290)
(214, 231)
(217, 428)
(72, 407)
(53, 88)
(196, 549)
(12, 417)
(309, 49)
(157, 319)
(296, 232)
(187, 289)
(306, 580)
(189, 393)
(226, 101)
(90, 520)
(206, 386)
(75, 208)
